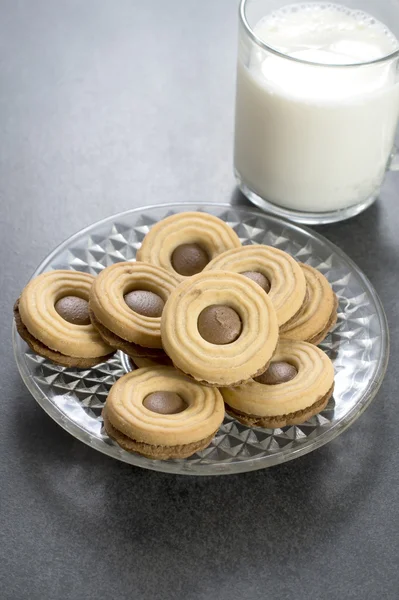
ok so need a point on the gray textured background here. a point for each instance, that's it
(104, 106)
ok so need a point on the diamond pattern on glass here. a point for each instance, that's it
(357, 346)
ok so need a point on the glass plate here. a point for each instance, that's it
(358, 346)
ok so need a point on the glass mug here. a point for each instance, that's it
(314, 138)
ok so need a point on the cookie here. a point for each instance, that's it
(52, 317)
(220, 328)
(155, 361)
(319, 313)
(272, 269)
(183, 244)
(130, 348)
(161, 413)
(297, 385)
(126, 303)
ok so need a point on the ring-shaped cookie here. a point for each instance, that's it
(110, 310)
(162, 360)
(36, 309)
(286, 278)
(162, 435)
(319, 313)
(227, 364)
(209, 232)
(289, 403)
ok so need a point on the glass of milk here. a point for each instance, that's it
(317, 105)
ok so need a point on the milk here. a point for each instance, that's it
(316, 138)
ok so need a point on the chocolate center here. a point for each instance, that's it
(258, 278)
(73, 309)
(145, 303)
(219, 324)
(164, 403)
(189, 259)
(278, 372)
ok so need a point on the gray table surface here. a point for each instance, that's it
(108, 105)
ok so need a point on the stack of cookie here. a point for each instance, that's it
(210, 324)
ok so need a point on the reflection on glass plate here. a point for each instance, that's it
(358, 346)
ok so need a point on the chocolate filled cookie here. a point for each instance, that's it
(185, 243)
(126, 304)
(52, 316)
(161, 413)
(275, 271)
(297, 385)
(319, 313)
(161, 360)
(220, 328)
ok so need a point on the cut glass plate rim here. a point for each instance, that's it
(252, 464)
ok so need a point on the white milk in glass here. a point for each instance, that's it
(316, 138)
